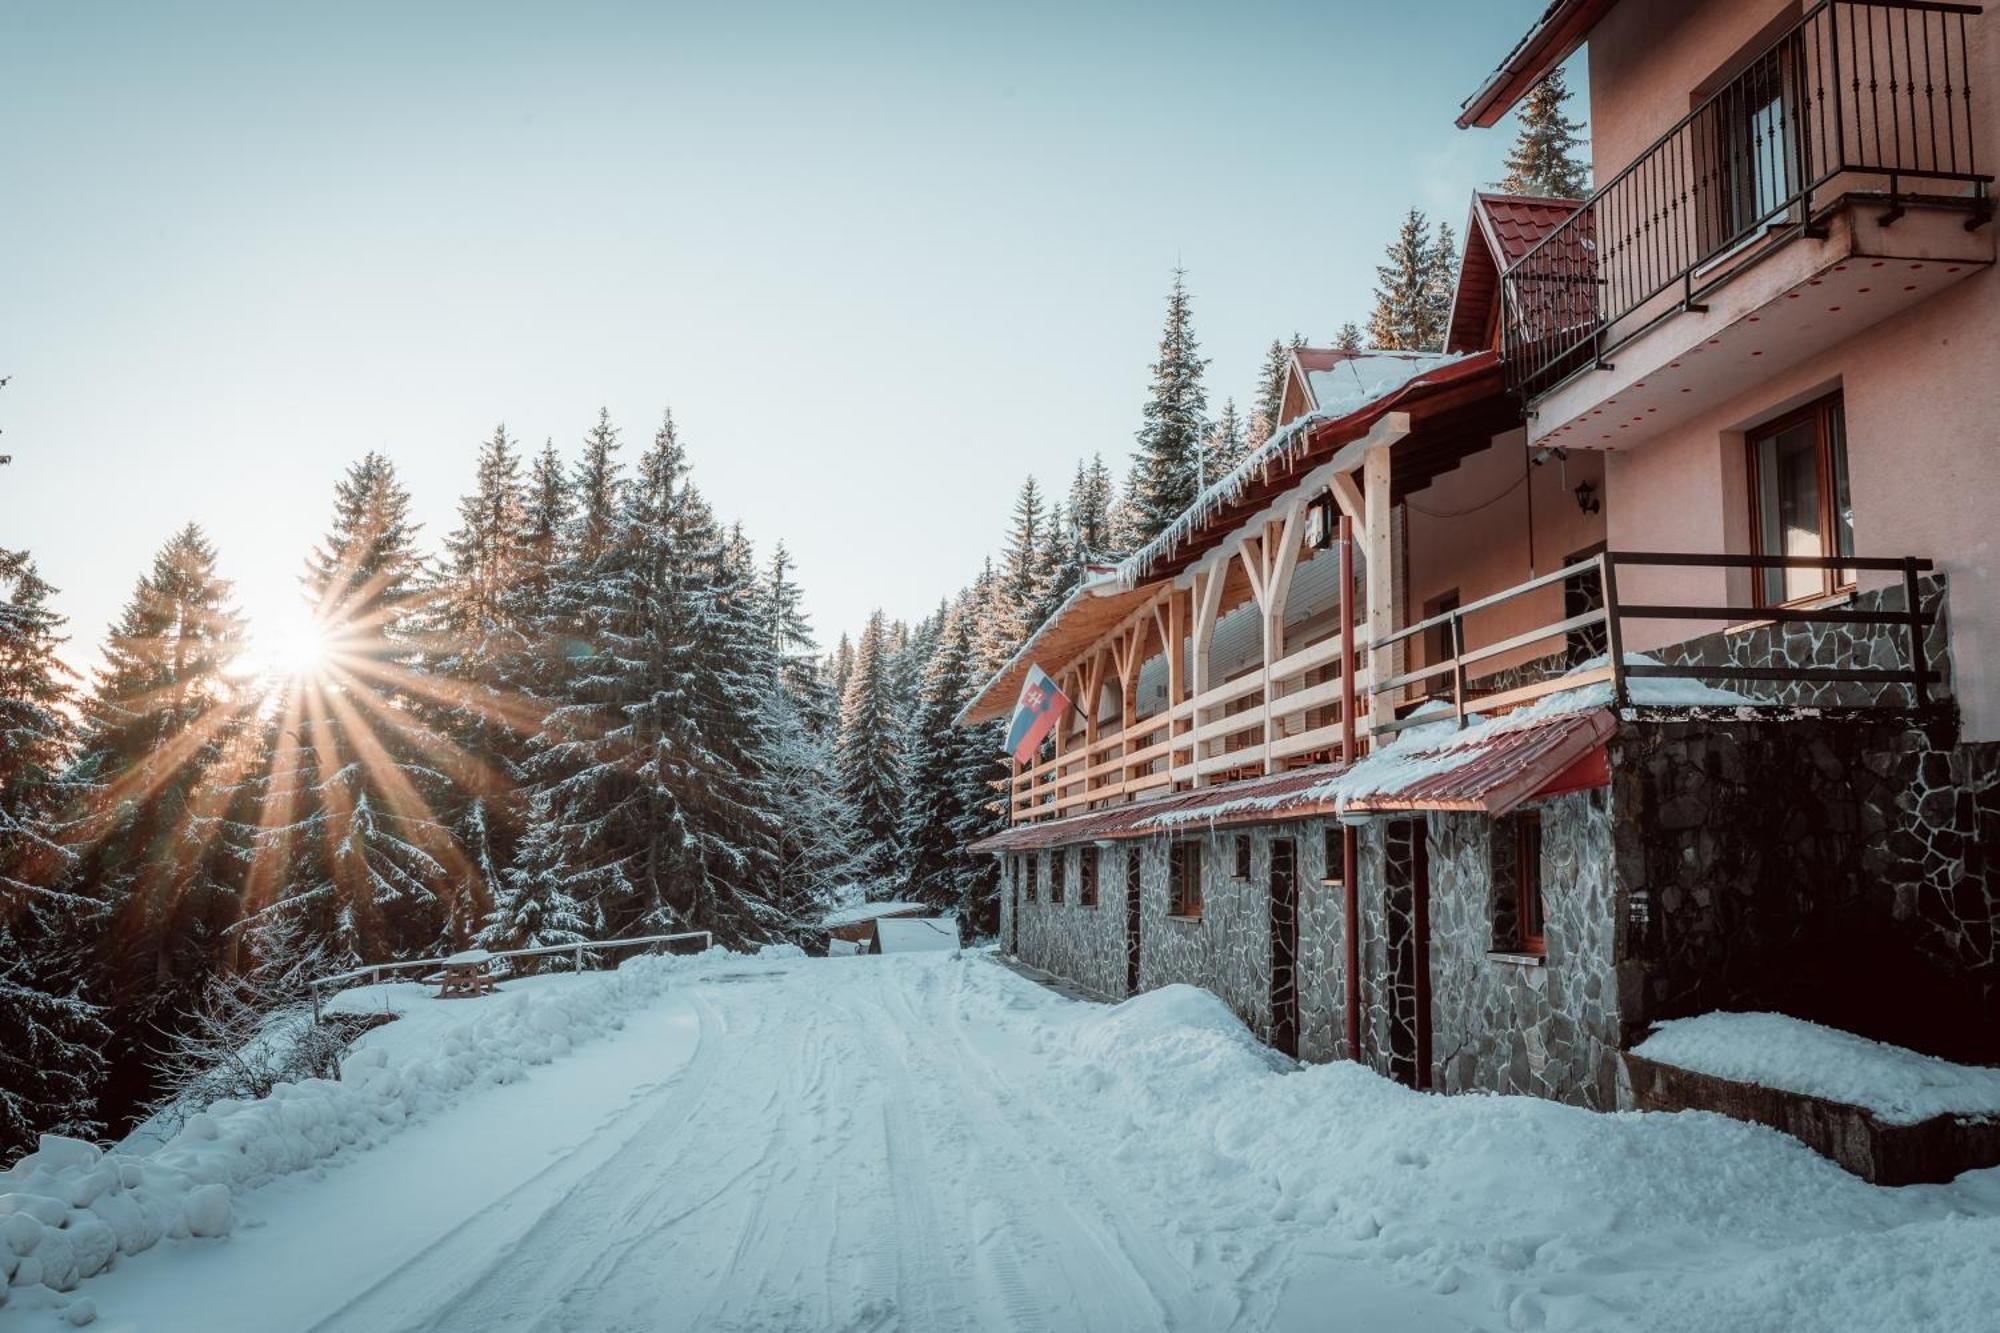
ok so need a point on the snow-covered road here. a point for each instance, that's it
(933, 1143)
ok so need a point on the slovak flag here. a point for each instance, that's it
(1042, 706)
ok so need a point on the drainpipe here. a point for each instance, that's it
(1351, 904)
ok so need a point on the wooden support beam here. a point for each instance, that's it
(1207, 603)
(1379, 551)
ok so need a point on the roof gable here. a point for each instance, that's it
(1501, 229)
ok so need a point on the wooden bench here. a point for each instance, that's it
(465, 975)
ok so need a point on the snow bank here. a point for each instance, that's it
(1545, 1215)
(1900, 1086)
(68, 1208)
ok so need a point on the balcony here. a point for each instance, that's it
(1759, 227)
(1321, 704)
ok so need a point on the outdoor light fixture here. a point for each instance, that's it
(1321, 524)
(1586, 497)
(1356, 818)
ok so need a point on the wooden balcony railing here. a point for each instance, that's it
(1198, 742)
(1878, 92)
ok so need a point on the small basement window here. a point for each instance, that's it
(1058, 875)
(1184, 879)
(1086, 885)
(1528, 880)
(1242, 856)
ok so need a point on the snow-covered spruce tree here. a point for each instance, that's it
(1270, 404)
(364, 857)
(50, 1037)
(934, 809)
(1166, 464)
(1546, 158)
(1407, 314)
(596, 491)
(1349, 337)
(1089, 508)
(1023, 566)
(1227, 445)
(161, 839)
(649, 810)
(1440, 281)
(870, 757)
(816, 836)
(481, 652)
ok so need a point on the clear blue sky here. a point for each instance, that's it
(881, 259)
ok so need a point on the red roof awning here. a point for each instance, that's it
(1554, 38)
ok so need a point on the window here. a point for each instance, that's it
(1799, 499)
(1058, 876)
(1034, 865)
(1242, 856)
(1336, 857)
(1528, 879)
(1184, 879)
(1086, 884)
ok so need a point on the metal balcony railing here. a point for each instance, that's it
(1879, 93)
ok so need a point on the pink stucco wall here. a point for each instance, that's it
(1922, 388)
(1469, 530)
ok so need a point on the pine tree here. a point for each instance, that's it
(651, 807)
(365, 856)
(1408, 313)
(816, 836)
(1227, 445)
(934, 808)
(1440, 284)
(870, 756)
(1545, 159)
(1089, 509)
(1167, 464)
(161, 839)
(50, 1035)
(1349, 337)
(1270, 395)
(596, 491)
(483, 632)
(1024, 564)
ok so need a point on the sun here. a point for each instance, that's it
(289, 646)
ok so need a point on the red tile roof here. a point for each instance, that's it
(1498, 772)
(1515, 222)
(1502, 228)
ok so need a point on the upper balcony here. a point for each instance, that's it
(1829, 184)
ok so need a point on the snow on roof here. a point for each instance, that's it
(855, 913)
(1418, 761)
(1899, 1086)
(1348, 387)
(917, 934)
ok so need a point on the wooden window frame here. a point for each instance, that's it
(1184, 879)
(1087, 869)
(1058, 876)
(1833, 582)
(1033, 862)
(1528, 888)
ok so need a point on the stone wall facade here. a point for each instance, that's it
(1839, 866)
(1795, 643)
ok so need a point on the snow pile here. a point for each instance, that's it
(68, 1209)
(1899, 1086)
(1547, 1215)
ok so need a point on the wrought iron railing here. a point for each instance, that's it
(1876, 92)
